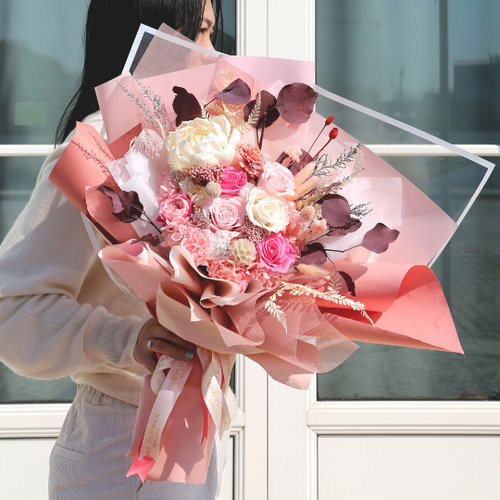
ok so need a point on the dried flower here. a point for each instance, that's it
(276, 253)
(232, 181)
(252, 232)
(267, 211)
(226, 212)
(197, 242)
(250, 159)
(314, 271)
(213, 190)
(202, 175)
(277, 180)
(294, 152)
(308, 213)
(202, 142)
(243, 252)
(226, 269)
(195, 192)
(174, 207)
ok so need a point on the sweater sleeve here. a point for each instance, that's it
(44, 331)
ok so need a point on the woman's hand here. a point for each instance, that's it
(154, 338)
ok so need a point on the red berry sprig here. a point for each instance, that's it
(333, 134)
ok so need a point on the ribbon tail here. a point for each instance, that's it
(206, 419)
(141, 467)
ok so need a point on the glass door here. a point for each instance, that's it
(394, 422)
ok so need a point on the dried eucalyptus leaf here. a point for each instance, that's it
(379, 238)
(126, 206)
(336, 210)
(185, 105)
(237, 92)
(296, 102)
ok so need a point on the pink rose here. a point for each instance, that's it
(227, 212)
(276, 253)
(232, 181)
(197, 243)
(277, 179)
(175, 206)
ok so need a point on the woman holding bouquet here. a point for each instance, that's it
(60, 313)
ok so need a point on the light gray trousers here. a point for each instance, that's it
(88, 460)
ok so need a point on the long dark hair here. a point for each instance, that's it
(109, 33)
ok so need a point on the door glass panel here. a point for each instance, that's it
(40, 60)
(435, 65)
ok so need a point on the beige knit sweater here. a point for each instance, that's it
(60, 313)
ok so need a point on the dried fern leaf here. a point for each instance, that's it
(275, 310)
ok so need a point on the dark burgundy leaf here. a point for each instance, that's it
(267, 101)
(267, 109)
(353, 226)
(349, 282)
(336, 210)
(379, 238)
(149, 238)
(296, 102)
(126, 206)
(272, 115)
(185, 105)
(315, 255)
(237, 92)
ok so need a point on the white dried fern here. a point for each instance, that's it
(359, 165)
(332, 294)
(275, 310)
(252, 117)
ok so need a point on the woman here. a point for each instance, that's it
(60, 314)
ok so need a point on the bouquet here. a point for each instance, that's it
(247, 224)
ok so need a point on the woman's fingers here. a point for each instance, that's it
(163, 347)
(154, 338)
(156, 331)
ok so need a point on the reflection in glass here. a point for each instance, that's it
(435, 65)
(389, 56)
(40, 59)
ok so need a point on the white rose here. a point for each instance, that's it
(202, 142)
(267, 211)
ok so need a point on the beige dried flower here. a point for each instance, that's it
(308, 213)
(294, 152)
(213, 190)
(243, 252)
(319, 211)
(314, 271)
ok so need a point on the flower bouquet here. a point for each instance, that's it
(247, 224)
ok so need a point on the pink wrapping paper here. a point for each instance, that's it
(82, 166)
(402, 296)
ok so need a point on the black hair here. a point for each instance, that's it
(109, 33)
